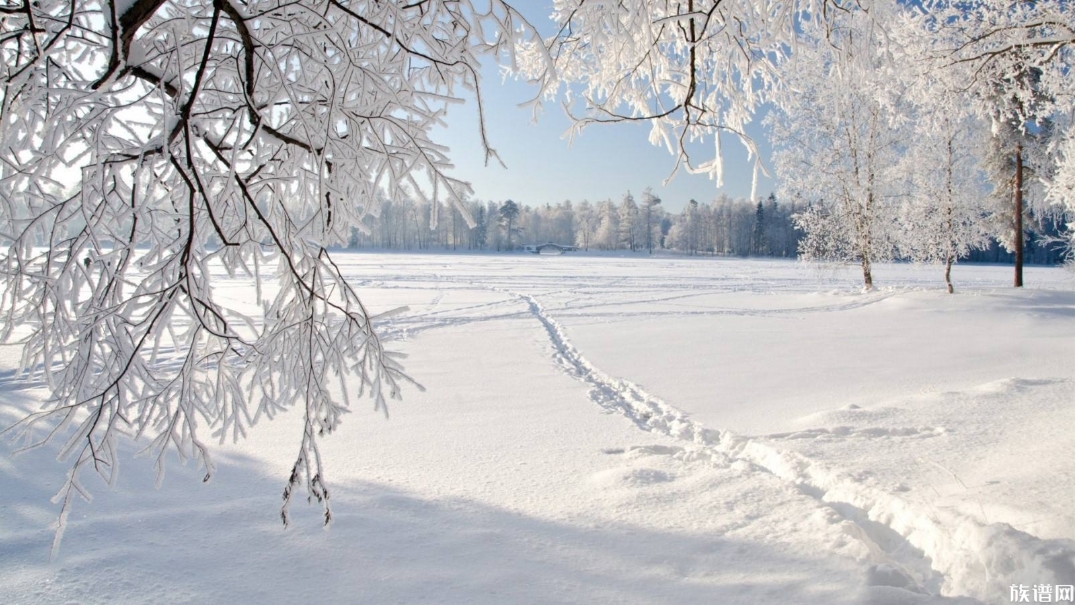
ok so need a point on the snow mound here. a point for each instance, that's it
(874, 432)
(974, 559)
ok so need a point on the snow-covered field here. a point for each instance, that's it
(623, 430)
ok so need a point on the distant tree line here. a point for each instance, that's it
(725, 226)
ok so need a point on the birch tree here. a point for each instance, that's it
(946, 214)
(945, 218)
(837, 140)
(146, 144)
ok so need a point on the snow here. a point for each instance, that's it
(621, 430)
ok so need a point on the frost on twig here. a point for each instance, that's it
(690, 69)
(150, 147)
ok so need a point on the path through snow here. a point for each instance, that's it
(919, 550)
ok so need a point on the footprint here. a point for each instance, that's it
(655, 450)
(631, 477)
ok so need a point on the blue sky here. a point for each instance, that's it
(604, 162)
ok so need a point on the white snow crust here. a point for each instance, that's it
(620, 430)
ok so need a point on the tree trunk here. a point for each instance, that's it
(1018, 221)
(948, 269)
(868, 283)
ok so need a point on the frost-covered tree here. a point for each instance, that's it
(678, 237)
(608, 235)
(1060, 188)
(148, 145)
(562, 228)
(944, 218)
(690, 68)
(995, 43)
(530, 224)
(837, 140)
(1013, 63)
(586, 222)
(628, 215)
(651, 219)
(945, 214)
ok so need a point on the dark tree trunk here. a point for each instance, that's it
(948, 269)
(1018, 221)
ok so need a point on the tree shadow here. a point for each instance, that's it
(223, 542)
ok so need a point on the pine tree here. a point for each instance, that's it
(758, 235)
(509, 213)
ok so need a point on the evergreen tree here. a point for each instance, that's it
(758, 235)
(509, 213)
(693, 227)
(478, 233)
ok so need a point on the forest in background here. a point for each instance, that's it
(725, 226)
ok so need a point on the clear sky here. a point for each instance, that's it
(605, 162)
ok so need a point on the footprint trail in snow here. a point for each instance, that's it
(925, 551)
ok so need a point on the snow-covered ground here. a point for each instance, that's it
(622, 430)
